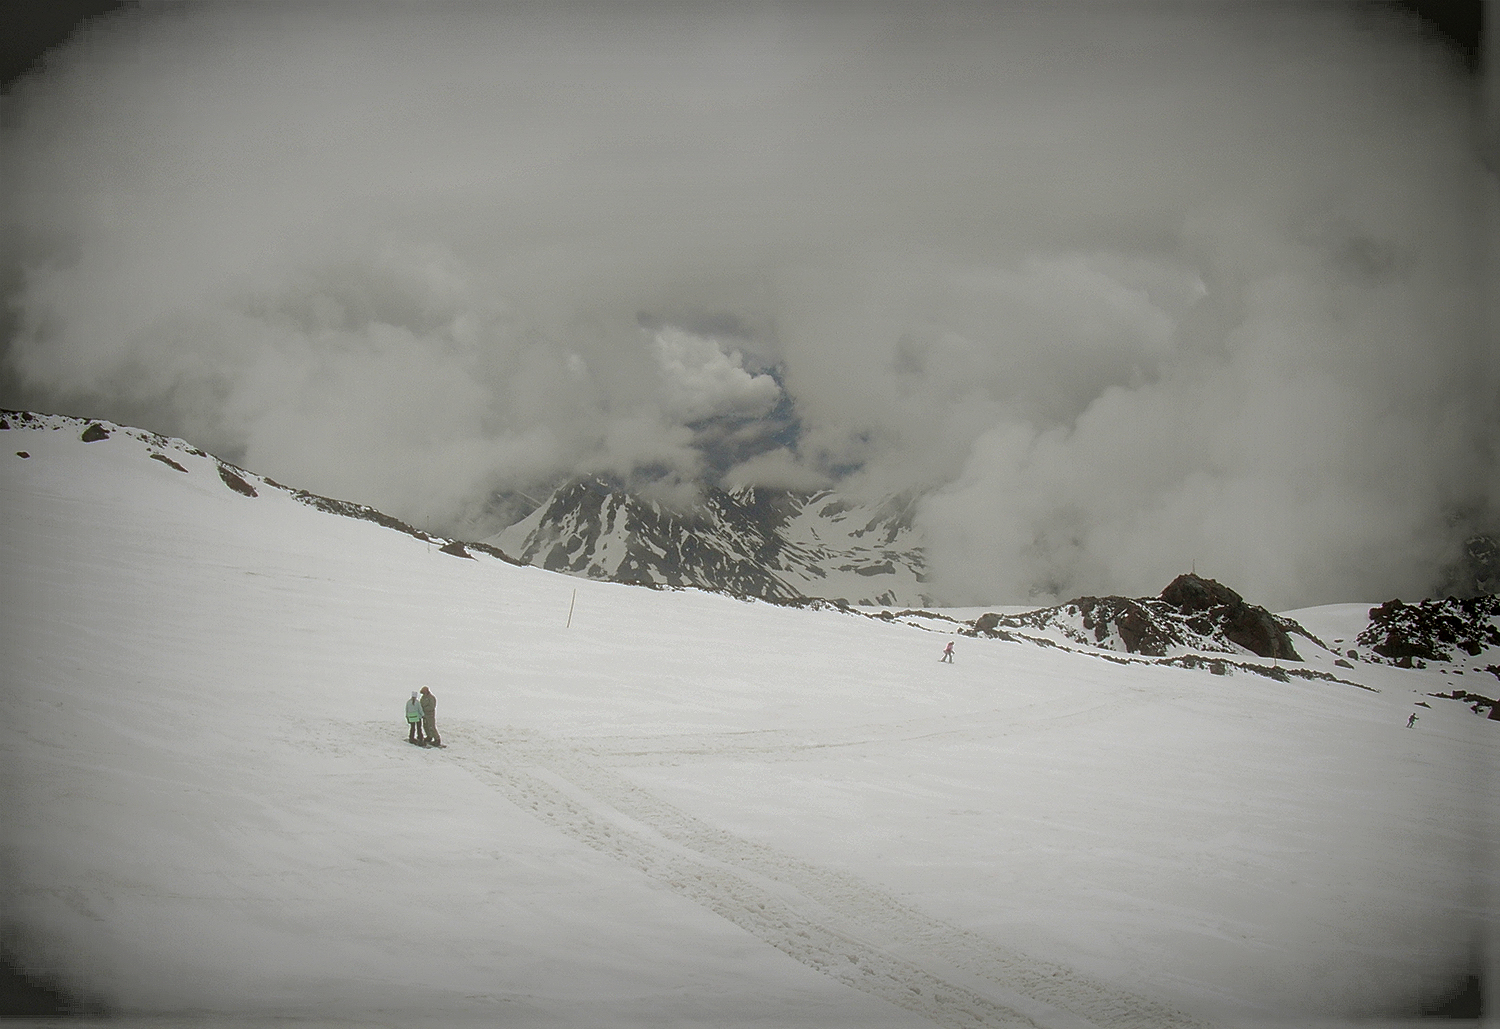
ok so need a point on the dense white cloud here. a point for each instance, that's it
(699, 380)
(1126, 288)
(778, 469)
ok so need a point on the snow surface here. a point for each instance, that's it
(681, 809)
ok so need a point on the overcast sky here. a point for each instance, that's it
(1122, 288)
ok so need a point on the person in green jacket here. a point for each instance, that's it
(429, 718)
(414, 719)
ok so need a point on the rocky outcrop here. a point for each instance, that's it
(164, 459)
(1211, 607)
(1191, 613)
(236, 483)
(1432, 630)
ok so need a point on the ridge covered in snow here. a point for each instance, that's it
(674, 807)
(751, 541)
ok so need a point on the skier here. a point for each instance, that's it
(414, 719)
(947, 653)
(429, 718)
(1412, 720)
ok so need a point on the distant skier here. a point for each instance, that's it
(1412, 720)
(947, 653)
(429, 718)
(414, 719)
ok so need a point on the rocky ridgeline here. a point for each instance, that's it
(778, 545)
(1432, 630)
(1192, 613)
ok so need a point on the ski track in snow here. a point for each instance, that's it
(830, 921)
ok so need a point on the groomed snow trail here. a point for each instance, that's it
(830, 921)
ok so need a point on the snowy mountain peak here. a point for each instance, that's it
(751, 541)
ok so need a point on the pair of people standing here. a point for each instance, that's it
(421, 717)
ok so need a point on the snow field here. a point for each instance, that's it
(682, 809)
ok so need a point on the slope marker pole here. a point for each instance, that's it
(570, 610)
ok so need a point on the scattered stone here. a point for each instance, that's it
(94, 433)
(22, 453)
(1478, 704)
(1343, 664)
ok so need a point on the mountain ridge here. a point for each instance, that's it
(755, 541)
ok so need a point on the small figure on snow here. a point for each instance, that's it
(947, 653)
(1412, 720)
(414, 719)
(429, 718)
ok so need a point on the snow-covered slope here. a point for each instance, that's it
(752, 541)
(673, 808)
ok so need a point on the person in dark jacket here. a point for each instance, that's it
(414, 719)
(429, 717)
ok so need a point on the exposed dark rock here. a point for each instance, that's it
(1191, 612)
(236, 483)
(1480, 705)
(4, 424)
(1212, 606)
(455, 548)
(485, 548)
(22, 453)
(1432, 629)
(741, 542)
(164, 459)
(352, 510)
(94, 433)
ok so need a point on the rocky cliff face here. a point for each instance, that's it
(755, 542)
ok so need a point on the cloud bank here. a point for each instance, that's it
(1121, 290)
